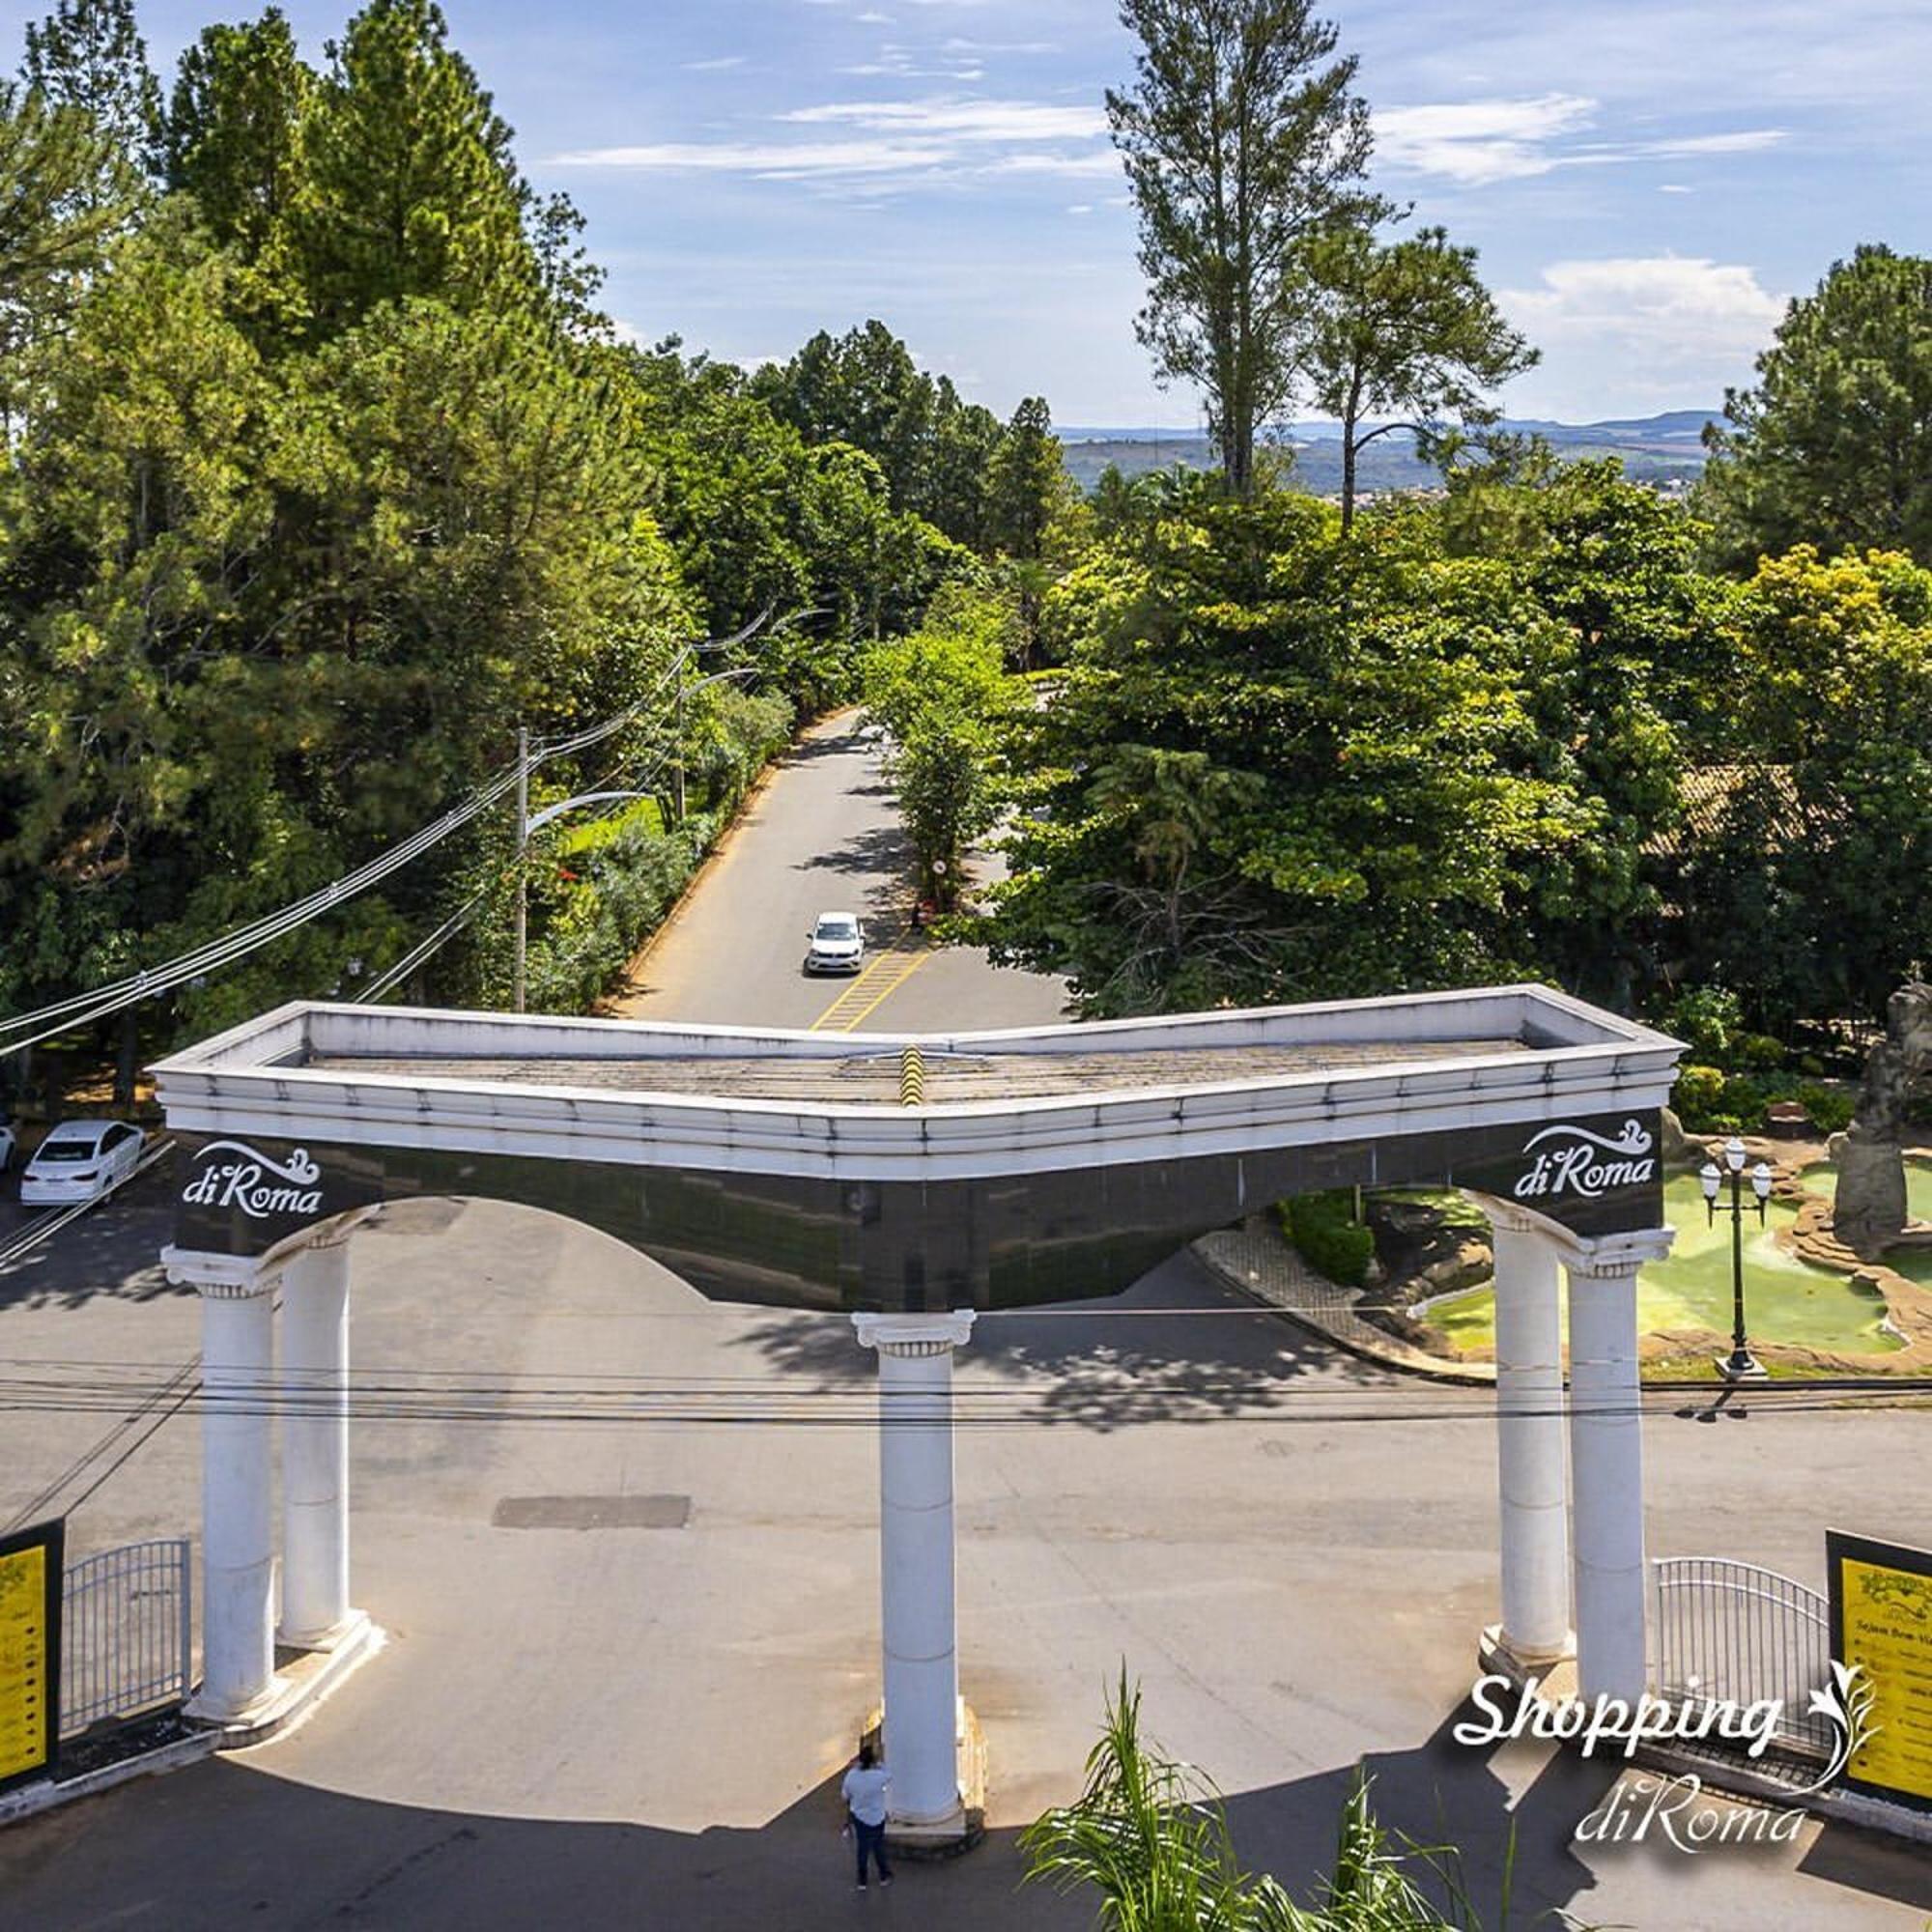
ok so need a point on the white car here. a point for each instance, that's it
(78, 1161)
(837, 944)
(9, 1145)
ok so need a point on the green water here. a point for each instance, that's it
(1786, 1299)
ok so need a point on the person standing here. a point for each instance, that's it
(865, 1791)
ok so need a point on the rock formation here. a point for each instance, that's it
(1870, 1212)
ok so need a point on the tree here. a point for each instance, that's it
(942, 697)
(1028, 493)
(412, 189)
(1807, 894)
(55, 223)
(236, 128)
(1242, 140)
(89, 54)
(1275, 770)
(1404, 329)
(1833, 445)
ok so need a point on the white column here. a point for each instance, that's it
(1530, 1484)
(921, 1661)
(315, 1445)
(1606, 1469)
(238, 1551)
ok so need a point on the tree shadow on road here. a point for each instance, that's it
(1177, 1346)
(112, 1250)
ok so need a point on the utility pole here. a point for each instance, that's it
(523, 843)
(678, 770)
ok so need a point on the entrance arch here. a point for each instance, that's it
(805, 1170)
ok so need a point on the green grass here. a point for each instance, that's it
(1786, 1301)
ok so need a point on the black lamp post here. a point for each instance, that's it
(1740, 1365)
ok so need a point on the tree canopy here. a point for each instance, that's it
(1832, 445)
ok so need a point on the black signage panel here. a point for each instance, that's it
(240, 1197)
(1004, 1239)
(1602, 1173)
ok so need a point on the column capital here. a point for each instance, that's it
(914, 1335)
(1618, 1254)
(220, 1277)
(1509, 1220)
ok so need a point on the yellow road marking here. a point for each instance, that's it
(887, 972)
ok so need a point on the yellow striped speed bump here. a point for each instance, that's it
(912, 1077)
(884, 975)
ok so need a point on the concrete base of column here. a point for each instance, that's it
(1498, 1657)
(958, 1830)
(301, 1683)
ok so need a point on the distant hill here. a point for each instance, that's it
(1666, 448)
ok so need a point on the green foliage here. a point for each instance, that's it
(1699, 1095)
(1405, 330)
(1243, 141)
(617, 892)
(1807, 894)
(1833, 445)
(1150, 1837)
(1831, 1107)
(1706, 1019)
(863, 389)
(320, 475)
(1272, 772)
(942, 695)
(88, 55)
(1327, 1236)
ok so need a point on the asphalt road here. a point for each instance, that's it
(641, 1727)
(823, 836)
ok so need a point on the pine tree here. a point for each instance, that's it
(89, 54)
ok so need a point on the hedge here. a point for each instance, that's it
(1323, 1230)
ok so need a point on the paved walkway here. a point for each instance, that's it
(1258, 1261)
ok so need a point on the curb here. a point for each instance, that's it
(45, 1794)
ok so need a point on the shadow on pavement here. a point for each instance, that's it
(229, 1842)
(1156, 1353)
(111, 1250)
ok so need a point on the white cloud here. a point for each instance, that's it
(714, 66)
(1653, 325)
(1479, 141)
(960, 119)
(777, 160)
(870, 142)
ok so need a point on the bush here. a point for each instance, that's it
(1708, 1019)
(1830, 1109)
(1757, 1051)
(1323, 1230)
(1698, 1096)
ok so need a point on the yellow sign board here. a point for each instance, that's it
(30, 1610)
(1882, 1623)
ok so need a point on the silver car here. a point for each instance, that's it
(836, 943)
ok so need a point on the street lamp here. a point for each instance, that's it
(1740, 1365)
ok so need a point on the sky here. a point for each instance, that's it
(1648, 180)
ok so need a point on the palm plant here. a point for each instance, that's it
(1150, 1835)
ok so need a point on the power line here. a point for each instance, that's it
(83, 1008)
